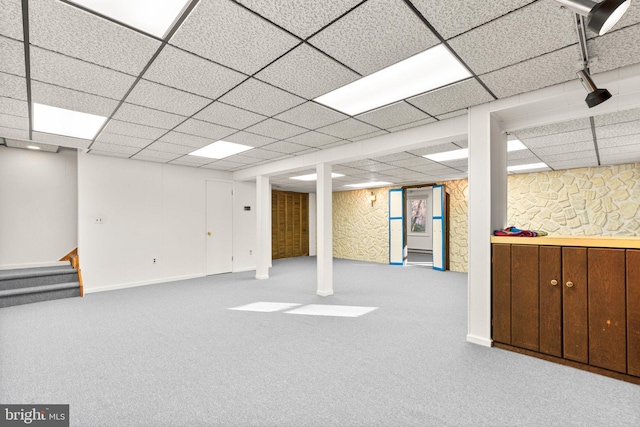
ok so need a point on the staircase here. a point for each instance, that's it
(29, 285)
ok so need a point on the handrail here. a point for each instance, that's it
(68, 256)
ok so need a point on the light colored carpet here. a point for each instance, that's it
(173, 354)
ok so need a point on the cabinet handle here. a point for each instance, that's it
(554, 282)
(569, 284)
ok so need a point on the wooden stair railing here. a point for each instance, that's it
(74, 259)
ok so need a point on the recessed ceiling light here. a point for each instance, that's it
(515, 145)
(369, 184)
(151, 16)
(220, 150)
(33, 147)
(314, 176)
(448, 155)
(530, 166)
(428, 70)
(65, 122)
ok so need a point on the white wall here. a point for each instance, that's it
(244, 226)
(148, 210)
(38, 206)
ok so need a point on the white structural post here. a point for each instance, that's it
(263, 227)
(325, 230)
(487, 212)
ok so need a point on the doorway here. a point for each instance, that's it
(419, 226)
(219, 214)
(289, 224)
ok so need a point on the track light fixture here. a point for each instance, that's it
(596, 96)
(601, 17)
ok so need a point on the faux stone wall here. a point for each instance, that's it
(361, 232)
(588, 201)
(458, 224)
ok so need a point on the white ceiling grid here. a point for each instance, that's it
(248, 71)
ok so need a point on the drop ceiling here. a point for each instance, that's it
(247, 71)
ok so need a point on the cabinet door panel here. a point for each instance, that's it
(575, 330)
(501, 293)
(551, 300)
(607, 320)
(633, 312)
(524, 296)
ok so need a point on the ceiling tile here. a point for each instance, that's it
(378, 167)
(452, 114)
(14, 122)
(154, 95)
(393, 115)
(412, 125)
(617, 117)
(228, 115)
(617, 159)
(88, 37)
(186, 140)
(375, 35)
(109, 154)
(168, 147)
(13, 86)
(545, 70)
(615, 49)
(410, 162)
(13, 133)
(188, 72)
(261, 98)
(114, 148)
(453, 18)
(223, 165)
(262, 154)
(285, 147)
(147, 116)
(561, 127)
(14, 107)
(72, 73)
(522, 155)
(276, 129)
(359, 163)
(306, 72)
(149, 159)
(132, 129)
(631, 17)
(559, 139)
(433, 168)
(440, 148)
(115, 139)
(301, 18)
(574, 164)
(11, 18)
(574, 147)
(191, 161)
(56, 96)
(204, 129)
(369, 135)
(555, 160)
(63, 141)
(459, 95)
(462, 164)
(242, 159)
(516, 37)
(620, 149)
(618, 129)
(231, 35)
(307, 150)
(348, 129)
(314, 139)
(251, 139)
(24, 144)
(619, 141)
(156, 155)
(12, 54)
(394, 157)
(311, 115)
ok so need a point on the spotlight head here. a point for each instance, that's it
(596, 96)
(606, 14)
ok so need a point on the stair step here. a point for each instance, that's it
(39, 289)
(24, 273)
(19, 279)
(43, 295)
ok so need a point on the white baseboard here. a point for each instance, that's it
(241, 269)
(479, 340)
(34, 265)
(262, 277)
(325, 293)
(90, 290)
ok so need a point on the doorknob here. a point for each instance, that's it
(554, 282)
(208, 233)
(569, 284)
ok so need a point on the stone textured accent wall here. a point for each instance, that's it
(458, 224)
(361, 232)
(578, 202)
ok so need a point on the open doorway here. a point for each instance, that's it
(419, 227)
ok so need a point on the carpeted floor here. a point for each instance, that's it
(173, 354)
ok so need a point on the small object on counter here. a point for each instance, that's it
(516, 232)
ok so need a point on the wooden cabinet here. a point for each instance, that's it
(579, 305)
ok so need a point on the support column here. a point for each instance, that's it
(263, 227)
(487, 212)
(325, 230)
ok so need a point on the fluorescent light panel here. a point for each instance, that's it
(428, 70)
(530, 166)
(151, 16)
(65, 122)
(369, 184)
(314, 176)
(220, 150)
(463, 153)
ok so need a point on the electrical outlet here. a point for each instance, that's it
(98, 220)
(154, 261)
(250, 252)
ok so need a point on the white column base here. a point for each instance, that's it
(480, 340)
(325, 293)
(262, 276)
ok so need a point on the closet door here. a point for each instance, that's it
(633, 312)
(575, 327)
(524, 296)
(550, 275)
(501, 294)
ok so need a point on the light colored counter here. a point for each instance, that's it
(587, 241)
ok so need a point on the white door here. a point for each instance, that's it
(219, 226)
